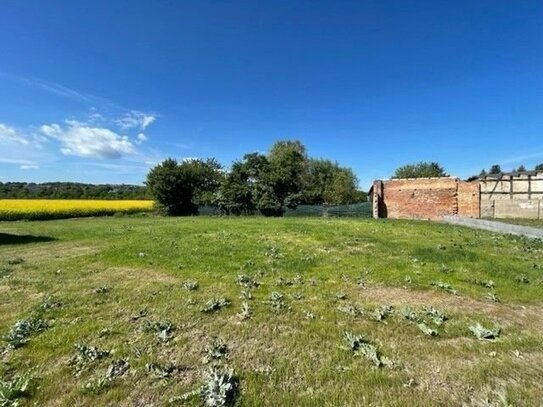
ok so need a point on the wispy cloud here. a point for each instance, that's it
(129, 118)
(9, 134)
(6, 160)
(135, 119)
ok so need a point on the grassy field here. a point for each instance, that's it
(41, 209)
(113, 312)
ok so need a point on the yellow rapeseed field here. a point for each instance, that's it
(34, 209)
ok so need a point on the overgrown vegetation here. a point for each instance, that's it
(268, 183)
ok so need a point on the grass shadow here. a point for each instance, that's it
(8, 238)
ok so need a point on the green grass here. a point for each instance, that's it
(117, 276)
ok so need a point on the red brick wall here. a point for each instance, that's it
(426, 198)
(421, 198)
(469, 199)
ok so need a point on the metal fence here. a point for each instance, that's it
(362, 210)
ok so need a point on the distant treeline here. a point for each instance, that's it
(70, 190)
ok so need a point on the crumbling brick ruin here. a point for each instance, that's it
(424, 198)
(511, 195)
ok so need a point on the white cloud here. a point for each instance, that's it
(11, 135)
(81, 140)
(135, 119)
(95, 116)
(29, 167)
(140, 138)
(5, 160)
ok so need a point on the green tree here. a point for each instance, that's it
(483, 173)
(539, 167)
(522, 168)
(495, 169)
(342, 188)
(420, 170)
(235, 195)
(280, 183)
(178, 187)
(326, 182)
(284, 178)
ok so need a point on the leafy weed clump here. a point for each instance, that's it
(190, 285)
(160, 371)
(444, 286)
(297, 296)
(361, 346)
(116, 369)
(409, 314)
(485, 283)
(216, 350)
(164, 329)
(246, 281)
(15, 261)
(16, 389)
(86, 356)
(277, 301)
(493, 297)
(23, 329)
(427, 330)
(220, 388)
(5, 272)
(104, 289)
(351, 309)
(436, 316)
(51, 303)
(308, 315)
(87, 353)
(215, 304)
(380, 313)
(245, 312)
(523, 279)
(340, 295)
(484, 334)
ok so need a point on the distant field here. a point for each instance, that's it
(308, 312)
(41, 209)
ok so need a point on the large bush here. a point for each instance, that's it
(420, 170)
(178, 188)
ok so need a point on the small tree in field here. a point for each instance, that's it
(420, 170)
(177, 187)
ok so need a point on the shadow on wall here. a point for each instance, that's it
(383, 210)
(8, 238)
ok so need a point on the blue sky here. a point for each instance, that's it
(100, 91)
